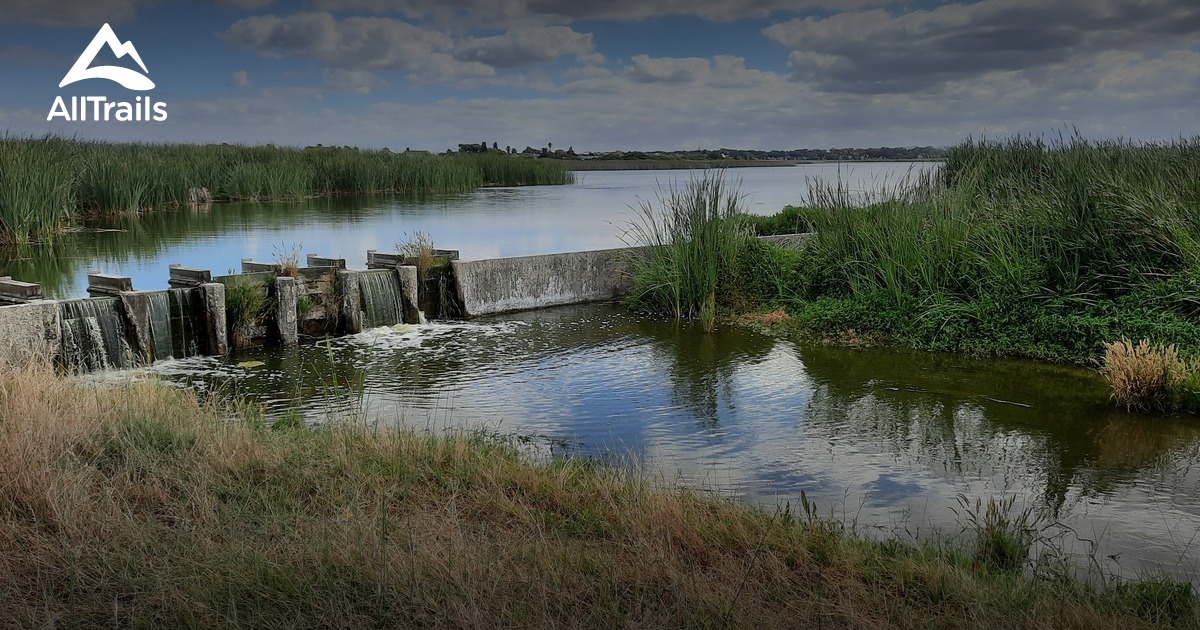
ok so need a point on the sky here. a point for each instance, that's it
(619, 74)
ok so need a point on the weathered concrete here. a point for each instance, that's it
(351, 312)
(215, 327)
(322, 261)
(17, 292)
(522, 283)
(251, 266)
(409, 296)
(30, 331)
(790, 241)
(188, 277)
(286, 295)
(386, 260)
(105, 285)
(138, 318)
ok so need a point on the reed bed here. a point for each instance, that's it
(693, 237)
(50, 181)
(136, 505)
(1022, 246)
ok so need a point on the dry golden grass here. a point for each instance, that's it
(777, 316)
(1145, 376)
(138, 506)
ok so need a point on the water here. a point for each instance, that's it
(380, 297)
(185, 323)
(887, 439)
(94, 335)
(591, 214)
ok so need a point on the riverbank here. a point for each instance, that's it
(137, 505)
(51, 182)
(1049, 250)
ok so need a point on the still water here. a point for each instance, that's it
(887, 439)
(488, 223)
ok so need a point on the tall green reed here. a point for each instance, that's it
(691, 237)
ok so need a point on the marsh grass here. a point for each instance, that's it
(1148, 377)
(1022, 246)
(287, 258)
(50, 181)
(246, 306)
(418, 247)
(137, 505)
(692, 237)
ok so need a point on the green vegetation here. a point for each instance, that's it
(694, 238)
(246, 305)
(50, 181)
(135, 505)
(1017, 247)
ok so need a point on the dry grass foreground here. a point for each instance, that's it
(137, 506)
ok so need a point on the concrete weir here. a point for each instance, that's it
(502, 285)
(120, 327)
(522, 283)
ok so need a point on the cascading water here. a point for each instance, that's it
(160, 325)
(93, 333)
(187, 323)
(175, 323)
(382, 304)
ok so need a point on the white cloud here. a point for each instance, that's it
(240, 79)
(357, 81)
(355, 43)
(529, 44)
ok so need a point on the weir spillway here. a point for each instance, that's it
(267, 303)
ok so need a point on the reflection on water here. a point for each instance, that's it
(887, 437)
(486, 223)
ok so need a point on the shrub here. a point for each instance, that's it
(1145, 376)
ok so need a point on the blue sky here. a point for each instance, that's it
(628, 74)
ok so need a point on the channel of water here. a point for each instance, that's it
(885, 438)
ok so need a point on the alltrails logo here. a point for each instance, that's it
(99, 107)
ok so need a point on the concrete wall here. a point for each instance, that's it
(29, 330)
(522, 283)
(504, 285)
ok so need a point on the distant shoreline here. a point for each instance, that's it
(674, 165)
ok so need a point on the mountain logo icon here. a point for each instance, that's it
(130, 79)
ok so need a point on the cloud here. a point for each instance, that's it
(240, 79)
(624, 10)
(69, 12)
(879, 51)
(355, 43)
(357, 81)
(722, 71)
(246, 5)
(530, 44)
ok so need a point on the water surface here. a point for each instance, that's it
(886, 438)
(590, 214)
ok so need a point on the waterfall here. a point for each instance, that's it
(381, 298)
(187, 323)
(160, 325)
(175, 323)
(93, 333)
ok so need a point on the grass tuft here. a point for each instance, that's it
(693, 237)
(1146, 377)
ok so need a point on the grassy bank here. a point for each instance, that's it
(136, 506)
(50, 181)
(1023, 247)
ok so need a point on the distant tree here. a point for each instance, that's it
(495, 146)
